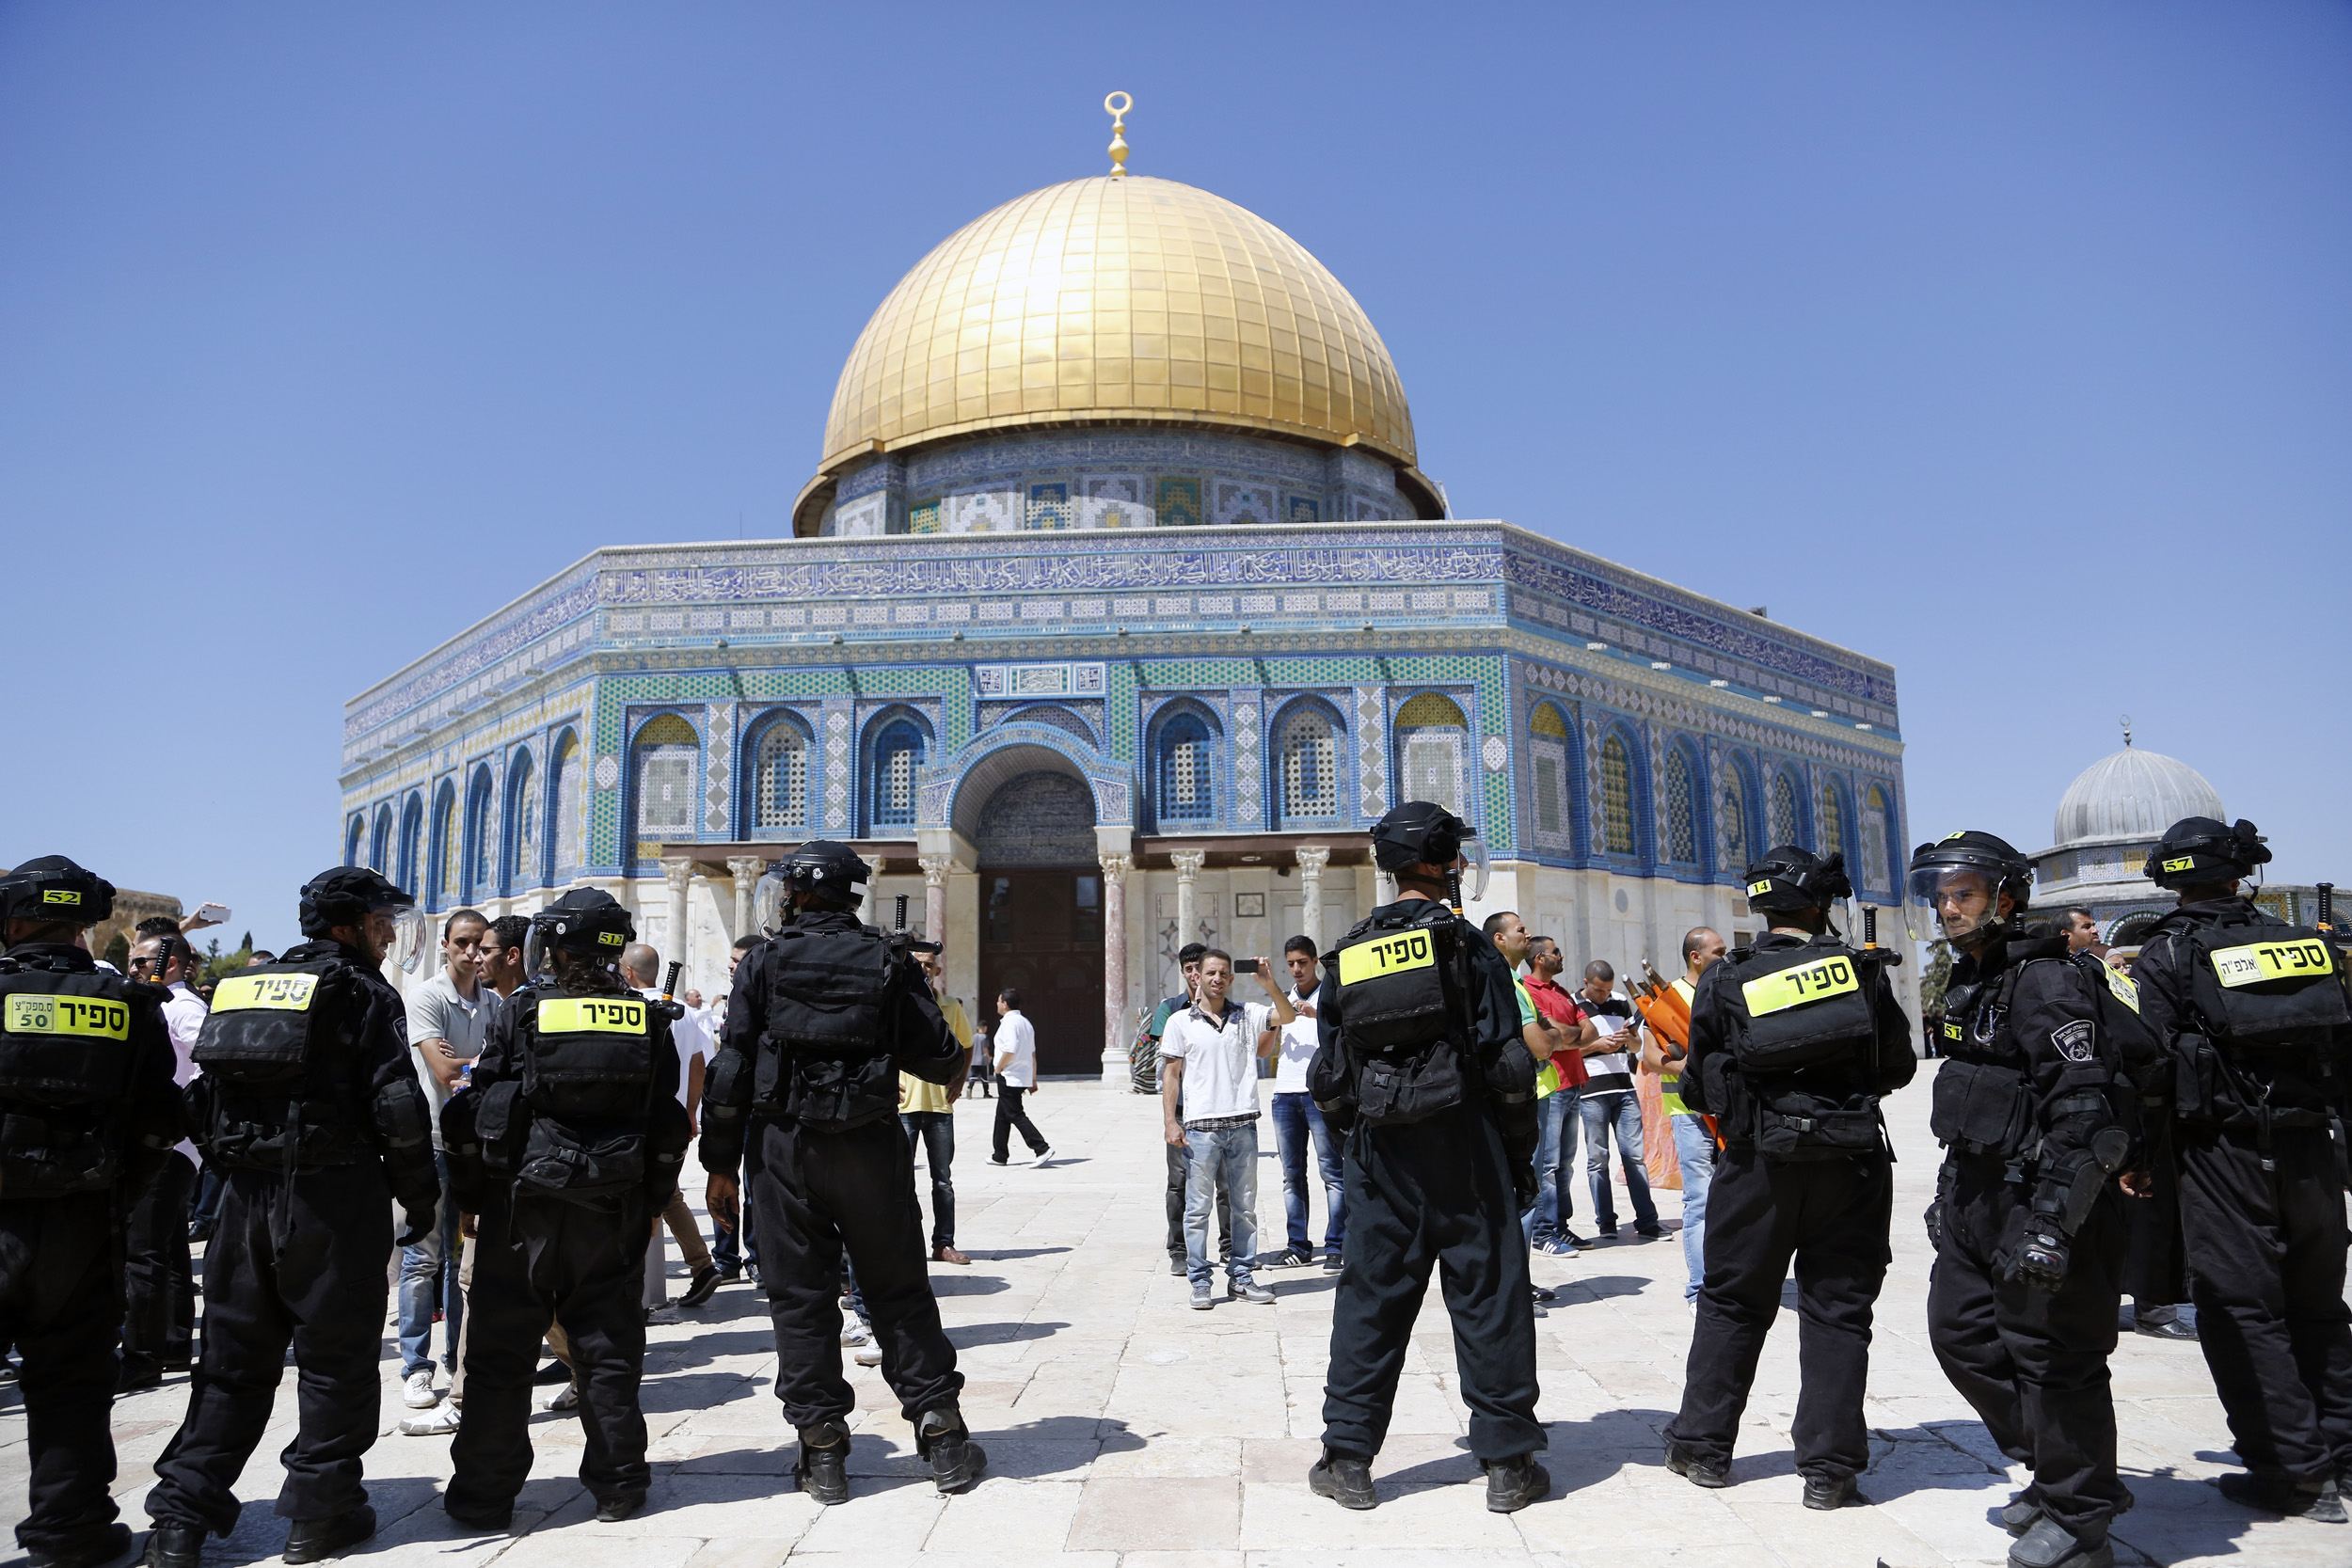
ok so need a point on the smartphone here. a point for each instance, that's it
(1245, 966)
(217, 914)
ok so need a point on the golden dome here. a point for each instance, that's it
(1122, 300)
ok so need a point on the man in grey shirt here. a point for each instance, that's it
(449, 1015)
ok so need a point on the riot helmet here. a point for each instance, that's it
(1422, 832)
(1958, 881)
(354, 895)
(586, 923)
(823, 869)
(2197, 851)
(53, 888)
(1791, 878)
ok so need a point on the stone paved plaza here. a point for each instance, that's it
(1123, 1428)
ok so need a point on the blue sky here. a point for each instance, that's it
(2009, 342)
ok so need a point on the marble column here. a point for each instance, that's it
(1188, 864)
(678, 871)
(1312, 858)
(748, 869)
(1115, 870)
(936, 869)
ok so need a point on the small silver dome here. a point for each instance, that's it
(2131, 795)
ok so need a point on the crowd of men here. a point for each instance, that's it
(526, 1111)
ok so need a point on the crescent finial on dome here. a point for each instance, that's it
(1119, 130)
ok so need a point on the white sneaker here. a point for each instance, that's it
(854, 1332)
(869, 1355)
(1042, 1155)
(417, 1392)
(441, 1423)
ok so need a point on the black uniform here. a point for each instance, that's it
(2035, 1119)
(821, 1020)
(309, 1102)
(1438, 1191)
(566, 1145)
(85, 1070)
(2262, 1187)
(1803, 1174)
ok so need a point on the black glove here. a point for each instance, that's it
(418, 1206)
(2043, 1258)
(1934, 1220)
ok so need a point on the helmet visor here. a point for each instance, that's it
(412, 934)
(1956, 901)
(1475, 869)
(771, 901)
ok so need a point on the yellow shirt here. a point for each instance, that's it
(916, 1095)
(1669, 1086)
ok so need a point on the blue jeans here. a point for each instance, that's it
(1622, 1109)
(935, 1133)
(1234, 1151)
(1556, 1165)
(1296, 1120)
(428, 1274)
(1695, 1148)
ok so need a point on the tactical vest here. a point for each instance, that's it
(1400, 986)
(278, 1089)
(64, 1068)
(1807, 1050)
(2269, 1003)
(586, 1084)
(825, 1060)
(1983, 1100)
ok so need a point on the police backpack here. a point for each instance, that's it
(823, 1061)
(65, 1069)
(597, 1128)
(275, 1031)
(2271, 1001)
(1807, 1050)
(1399, 986)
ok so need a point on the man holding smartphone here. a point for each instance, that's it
(1209, 1102)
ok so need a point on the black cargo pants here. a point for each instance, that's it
(2033, 1361)
(539, 1260)
(1434, 1194)
(59, 1305)
(324, 1290)
(816, 1194)
(159, 1280)
(2267, 1264)
(1831, 1218)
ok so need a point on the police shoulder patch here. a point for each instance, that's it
(2074, 1040)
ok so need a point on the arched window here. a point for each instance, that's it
(1547, 748)
(352, 836)
(1784, 812)
(569, 784)
(481, 862)
(1431, 739)
(523, 816)
(411, 844)
(1616, 797)
(667, 751)
(1187, 775)
(897, 758)
(1877, 833)
(1682, 824)
(1829, 821)
(380, 840)
(780, 778)
(449, 863)
(1732, 819)
(1309, 762)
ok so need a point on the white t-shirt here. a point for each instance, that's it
(1015, 1038)
(689, 1038)
(1220, 1065)
(1298, 1049)
(1608, 1069)
(183, 1020)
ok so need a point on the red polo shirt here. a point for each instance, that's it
(1561, 1008)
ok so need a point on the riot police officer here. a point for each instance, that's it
(570, 1129)
(2253, 1012)
(2037, 1120)
(1793, 1040)
(1420, 1056)
(309, 1101)
(823, 1019)
(85, 1070)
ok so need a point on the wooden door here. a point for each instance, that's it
(1041, 934)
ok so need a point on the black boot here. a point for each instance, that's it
(823, 1466)
(174, 1545)
(2049, 1544)
(1825, 1492)
(1343, 1479)
(1513, 1484)
(957, 1462)
(1682, 1462)
(619, 1506)
(2317, 1500)
(2021, 1514)
(87, 1549)
(488, 1519)
(312, 1540)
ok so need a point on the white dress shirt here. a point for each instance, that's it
(1016, 1039)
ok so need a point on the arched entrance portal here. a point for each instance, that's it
(1041, 913)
